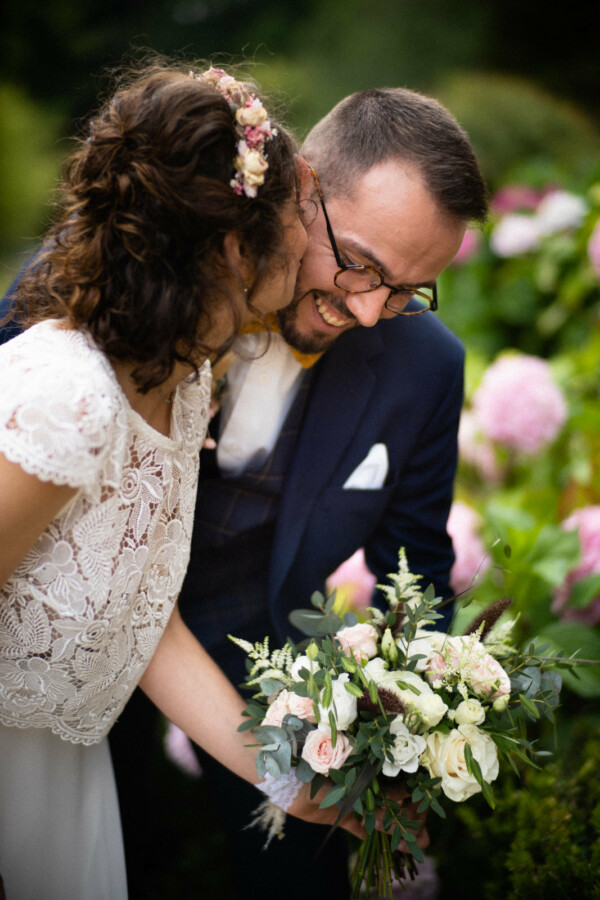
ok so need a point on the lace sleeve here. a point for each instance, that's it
(58, 406)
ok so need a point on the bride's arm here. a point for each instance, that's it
(190, 689)
(27, 506)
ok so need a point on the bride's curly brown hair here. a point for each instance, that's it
(135, 252)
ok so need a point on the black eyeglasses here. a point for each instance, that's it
(358, 279)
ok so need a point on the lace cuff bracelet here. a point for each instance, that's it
(280, 791)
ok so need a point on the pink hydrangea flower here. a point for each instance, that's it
(471, 559)
(519, 405)
(593, 249)
(515, 235)
(468, 248)
(560, 211)
(476, 449)
(514, 197)
(587, 522)
(354, 578)
(179, 750)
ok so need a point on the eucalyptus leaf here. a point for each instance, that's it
(329, 624)
(270, 686)
(303, 771)
(335, 794)
(305, 620)
(317, 599)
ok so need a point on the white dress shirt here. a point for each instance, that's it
(260, 389)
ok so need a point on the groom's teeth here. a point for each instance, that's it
(327, 317)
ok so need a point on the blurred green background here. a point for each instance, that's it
(522, 79)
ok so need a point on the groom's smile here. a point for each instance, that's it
(388, 221)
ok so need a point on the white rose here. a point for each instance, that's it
(254, 114)
(500, 703)
(469, 712)
(406, 750)
(424, 644)
(321, 755)
(303, 662)
(375, 670)
(343, 705)
(358, 640)
(428, 705)
(445, 758)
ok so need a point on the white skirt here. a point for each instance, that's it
(60, 830)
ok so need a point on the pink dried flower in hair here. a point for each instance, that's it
(519, 405)
(587, 522)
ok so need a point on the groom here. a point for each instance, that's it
(342, 435)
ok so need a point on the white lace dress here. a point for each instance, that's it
(82, 615)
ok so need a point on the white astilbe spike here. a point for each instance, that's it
(405, 586)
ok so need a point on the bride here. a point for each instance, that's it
(179, 221)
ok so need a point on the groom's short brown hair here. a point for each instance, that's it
(374, 126)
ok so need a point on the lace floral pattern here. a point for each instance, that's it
(81, 616)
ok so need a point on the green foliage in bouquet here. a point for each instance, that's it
(543, 839)
(364, 708)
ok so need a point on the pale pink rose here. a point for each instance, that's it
(593, 249)
(468, 248)
(471, 559)
(515, 235)
(288, 703)
(302, 707)
(466, 657)
(587, 522)
(489, 678)
(358, 640)
(321, 755)
(519, 405)
(353, 577)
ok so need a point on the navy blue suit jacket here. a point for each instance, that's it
(399, 383)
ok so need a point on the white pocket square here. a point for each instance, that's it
(370, 474)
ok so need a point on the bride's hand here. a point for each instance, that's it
(308, 809)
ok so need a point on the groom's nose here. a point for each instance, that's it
(367, 308)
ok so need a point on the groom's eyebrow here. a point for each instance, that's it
(367, 253)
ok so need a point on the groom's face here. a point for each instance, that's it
(389, 222)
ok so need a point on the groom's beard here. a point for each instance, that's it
(315, 341)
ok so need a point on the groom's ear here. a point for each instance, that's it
(306, 184)
(236, 256)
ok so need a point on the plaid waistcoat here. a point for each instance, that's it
(225, 589)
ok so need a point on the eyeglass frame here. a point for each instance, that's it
(431, 301)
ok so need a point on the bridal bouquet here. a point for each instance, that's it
(389, 702)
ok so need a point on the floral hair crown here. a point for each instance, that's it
(253, 126)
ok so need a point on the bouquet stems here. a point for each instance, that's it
(376, 866)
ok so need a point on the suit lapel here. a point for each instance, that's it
(344, 383)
